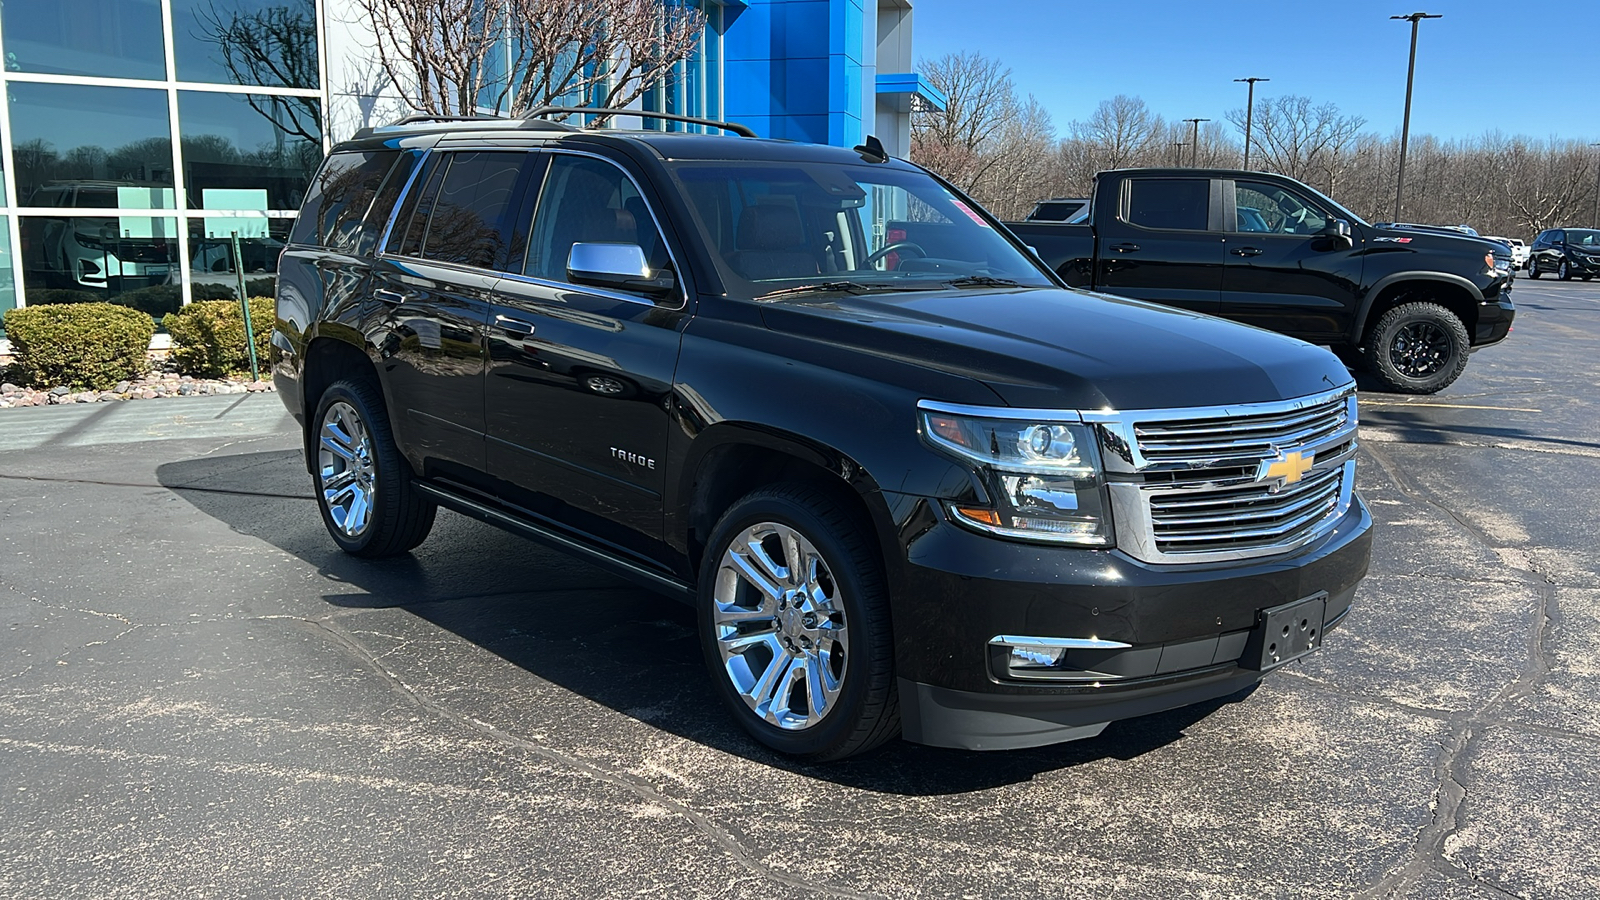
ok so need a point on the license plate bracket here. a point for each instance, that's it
(1285, 633)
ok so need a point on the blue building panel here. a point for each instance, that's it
(805, 29)
(806, 89)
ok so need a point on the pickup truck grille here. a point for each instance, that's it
(1207, 485)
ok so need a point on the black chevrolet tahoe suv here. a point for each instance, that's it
(1408, 303)
(911, 484)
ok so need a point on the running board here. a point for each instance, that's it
(640, 575)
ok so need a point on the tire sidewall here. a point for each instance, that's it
(383, 487)
(1408, 314)
(1564, 271)
(855, 589)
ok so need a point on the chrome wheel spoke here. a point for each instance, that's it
(344, 467)
(779, 626)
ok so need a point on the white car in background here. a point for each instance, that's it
(1519, 251)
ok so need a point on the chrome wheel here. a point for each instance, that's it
(605, 385)
(345, 473)
(1420, 349)
(779, 624)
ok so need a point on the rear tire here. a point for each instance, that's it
(794, 623)
(363, 485)
(1417, 348)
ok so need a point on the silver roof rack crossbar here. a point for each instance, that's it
(541, 112)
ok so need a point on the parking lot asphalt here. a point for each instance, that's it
(199, 696)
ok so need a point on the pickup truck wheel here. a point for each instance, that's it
(794, 623)
(1418, 348)
(363, 484)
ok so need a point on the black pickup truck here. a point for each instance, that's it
(911, 484)
(1269, 251)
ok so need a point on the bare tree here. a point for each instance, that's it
(453, 57)
(980, 101)
(1306, 142)
(1121, 131)
(277, 46)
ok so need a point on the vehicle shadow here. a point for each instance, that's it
(574, 626)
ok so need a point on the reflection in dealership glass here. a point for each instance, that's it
(104, 252)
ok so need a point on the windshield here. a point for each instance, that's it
(781, 225)
(1583, 237)
(1342, 212)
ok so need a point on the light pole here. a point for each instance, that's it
(1405, 128)
(1194, 140)
(1249, 115)
(1595, 218)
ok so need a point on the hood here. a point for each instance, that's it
(1467, 246)
(1062, 349)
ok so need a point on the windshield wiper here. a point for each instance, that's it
(982, 281)
(842, 287)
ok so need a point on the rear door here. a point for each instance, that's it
(578, 392)
(1164, 242)
(434, 287)
(1280, 274)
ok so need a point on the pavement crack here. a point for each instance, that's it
(717, 833)
(1428, 849)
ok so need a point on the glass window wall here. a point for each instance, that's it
(82, 146)
(248, 151)
(270, 43)
(132, 260)
(116, 38)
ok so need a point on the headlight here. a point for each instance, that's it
(1043, 478)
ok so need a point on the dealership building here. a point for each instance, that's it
(140, 137)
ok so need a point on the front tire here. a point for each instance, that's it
(1533, 269)
(1418, 348)
(363, 485)
(794, 624)
(1562, 272)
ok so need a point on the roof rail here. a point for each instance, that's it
(538, 115)
(429, 117)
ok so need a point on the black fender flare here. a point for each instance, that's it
(1359, 325)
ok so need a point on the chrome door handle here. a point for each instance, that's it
(392, 297)
(1125, 248)
(518, 327)
(1246, 251)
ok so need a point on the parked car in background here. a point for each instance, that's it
(1519, 251)
(1409, 302)
(911, 484)
(95, 251)
(1060, 209)
(1565, 253)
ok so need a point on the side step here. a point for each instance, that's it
(643, 576)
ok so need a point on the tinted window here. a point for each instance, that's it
(383, 203)
(474, 209)
(119, 38)
(251, 151)
(1271, 209)
(67, 135)
(588, 200)
(270, 42)
(338, 199)
(1169, 203)
(412, 225)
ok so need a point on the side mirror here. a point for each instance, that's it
(620, 267)
(1338, 231)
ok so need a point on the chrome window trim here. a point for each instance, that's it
(1012, 640)
(400, 201)
(680, 290)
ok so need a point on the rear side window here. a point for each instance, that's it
(1177, 203)
(473, 213)
(340, 195)
(383, 203)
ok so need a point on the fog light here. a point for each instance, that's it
(1035, 657)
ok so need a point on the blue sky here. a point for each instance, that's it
(1476, 68)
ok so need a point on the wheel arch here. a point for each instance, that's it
(1453, 292)
(330, 358)
(730, 459)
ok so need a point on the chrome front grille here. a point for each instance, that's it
(1203, 485)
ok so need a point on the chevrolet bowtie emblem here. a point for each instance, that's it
(1288, 468)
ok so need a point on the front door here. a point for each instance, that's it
(578, 392)
(1164, 244)
(1282, 275)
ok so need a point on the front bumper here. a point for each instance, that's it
(1187, 627)
(1583, 266)
(1494, 320)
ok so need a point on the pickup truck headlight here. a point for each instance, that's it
(1044, 478)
